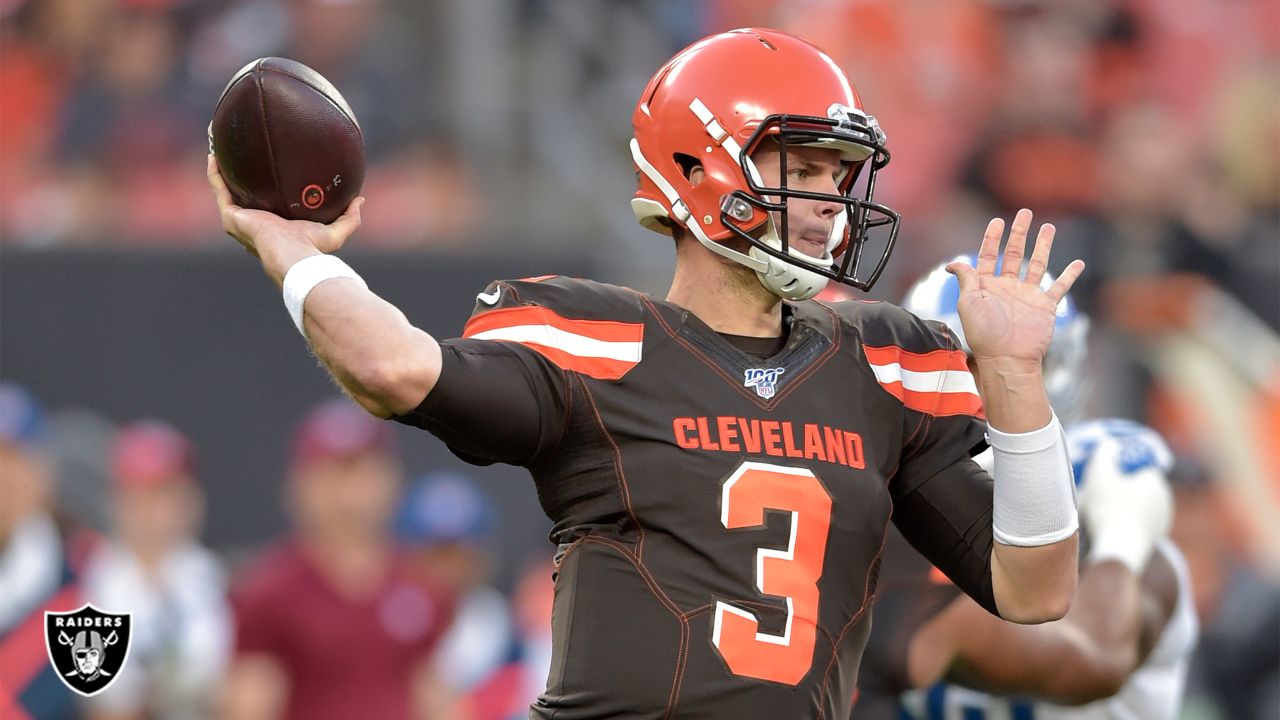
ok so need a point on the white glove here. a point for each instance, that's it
(1124, 513)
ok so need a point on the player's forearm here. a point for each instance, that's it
(1034, 584)
(380, 359)
(370, 348)
(1034, 560)
(1086, 656)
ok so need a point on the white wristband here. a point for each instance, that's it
(304, 275)
(1035, 499)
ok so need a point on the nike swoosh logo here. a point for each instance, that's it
(490, 298)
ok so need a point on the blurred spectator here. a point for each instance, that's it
(534, 597)
(154, 567)
(510, 688)
(35, 570)
(104, 104)
(1038, 148)
(387, 60)
(34, 81)
(925, 69)
(1237, 664)
(103, 107)
(1153, 227)
(447, 525)
(334, 623)
(127, 134)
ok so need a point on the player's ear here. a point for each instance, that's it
(692, 169)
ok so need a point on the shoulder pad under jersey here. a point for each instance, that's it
(918, 361)
(580, 325)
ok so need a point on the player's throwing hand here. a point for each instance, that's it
(256, 229)
(1008, 316)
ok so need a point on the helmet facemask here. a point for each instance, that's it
(792, 274)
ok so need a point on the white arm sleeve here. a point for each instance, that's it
(1035, 500)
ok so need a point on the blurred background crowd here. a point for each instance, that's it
(1148, 131)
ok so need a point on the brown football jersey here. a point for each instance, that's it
(720, 516)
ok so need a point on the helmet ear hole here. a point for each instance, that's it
(687, 163)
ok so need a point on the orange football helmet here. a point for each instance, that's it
(712, 104)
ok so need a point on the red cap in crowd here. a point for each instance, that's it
(149, 453)
(339, 429)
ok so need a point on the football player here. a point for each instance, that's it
(721, 465)
(1122, 651)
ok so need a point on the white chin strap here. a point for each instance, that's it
(792, 281)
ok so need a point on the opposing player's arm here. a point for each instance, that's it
(1086, 656)
(1127, 595)
(380, 359)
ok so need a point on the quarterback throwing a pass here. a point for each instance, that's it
(722, 465)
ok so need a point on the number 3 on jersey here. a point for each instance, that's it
(792, 573)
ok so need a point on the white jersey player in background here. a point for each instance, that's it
(1123, 651)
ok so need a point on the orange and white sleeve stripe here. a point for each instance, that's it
(937, 383)
(602, 349)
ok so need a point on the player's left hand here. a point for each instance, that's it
(1008, 318)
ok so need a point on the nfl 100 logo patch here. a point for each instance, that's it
(763, 380)
(88, 647)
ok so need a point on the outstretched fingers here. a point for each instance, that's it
(989, 251)
(1015, 249)
(1062, 286)
(1039, 262)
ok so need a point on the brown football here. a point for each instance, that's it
(287, 142)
